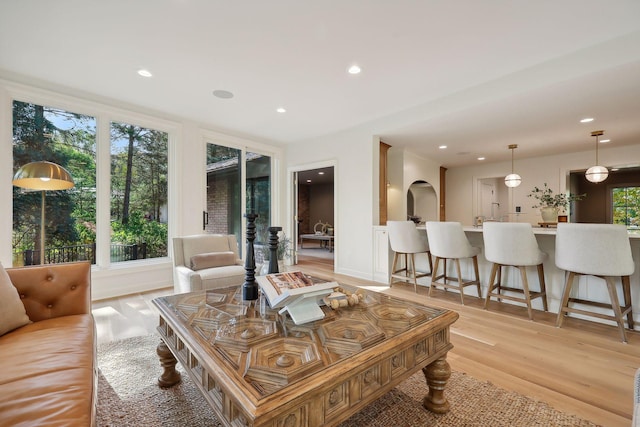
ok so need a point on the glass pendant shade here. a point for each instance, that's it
(512, 180)
(597, 174)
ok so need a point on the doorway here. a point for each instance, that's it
(314, 217)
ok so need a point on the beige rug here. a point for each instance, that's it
(128, 395)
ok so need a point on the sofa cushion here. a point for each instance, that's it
(49, 373)
(212, 259)
(12, 311)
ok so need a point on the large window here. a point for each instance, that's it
(138, 183)
(626, 206)
(139, 163)
(68, 139)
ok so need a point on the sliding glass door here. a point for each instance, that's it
(233, 191)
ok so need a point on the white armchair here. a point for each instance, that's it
(206, 261)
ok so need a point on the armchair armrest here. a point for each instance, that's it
(53, 290)
(187, 279)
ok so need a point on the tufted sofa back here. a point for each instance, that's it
(47, 293)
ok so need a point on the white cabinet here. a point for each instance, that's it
(382, 256)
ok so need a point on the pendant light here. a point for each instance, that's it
(513, 179)
(597, 173)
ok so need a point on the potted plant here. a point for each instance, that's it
(550, 204)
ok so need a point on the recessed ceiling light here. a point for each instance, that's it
(354, 69)
(223, 94)
(480, 158)
(281, 110)
(604, 141)
(586, 120)
(144, 73)
(442, 147)
(308, 180)
(320, 173)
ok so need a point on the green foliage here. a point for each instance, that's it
(626, 206)
(545, 198)
(140, 230)
(285, 248)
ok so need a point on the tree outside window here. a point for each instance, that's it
(68, 139)
(626, 206)
(139, 173)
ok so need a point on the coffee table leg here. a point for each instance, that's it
(437, 373)
(170, 376)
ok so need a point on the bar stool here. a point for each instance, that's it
(512, 244)
(406, 240)
(448, 241)
(599, 250)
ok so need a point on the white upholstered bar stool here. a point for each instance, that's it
(448, 241)
(599, 250)
(513, 244)
(407, 241)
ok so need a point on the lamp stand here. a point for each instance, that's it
(42, 228)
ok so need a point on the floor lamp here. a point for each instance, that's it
(43, 176)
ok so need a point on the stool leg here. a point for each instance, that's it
(458, 270)
(434, 274)
(525, 288)
(393, 268)
(430, 263)
(477, 273)
(413, 271)
(543, 287)
(494, 270)
(499, 283)
(565, 298)
(615, 304)
(626, 290)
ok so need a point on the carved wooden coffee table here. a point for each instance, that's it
(257, 368)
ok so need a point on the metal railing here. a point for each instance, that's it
(86, 252)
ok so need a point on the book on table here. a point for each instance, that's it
(296, 293)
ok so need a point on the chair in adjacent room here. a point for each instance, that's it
(447, 241)
(513, 244)
(406, 241)
(602, 251)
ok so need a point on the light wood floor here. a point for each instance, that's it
(581, 368)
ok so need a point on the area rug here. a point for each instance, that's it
(128, 395)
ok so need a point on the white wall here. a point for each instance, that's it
(354, 156)
(462, 182)
(403, 169)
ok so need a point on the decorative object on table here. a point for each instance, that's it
(343, 298)
(597, 173)
(273, 249)
(550, 204)
(296, 294)
(513, 179)
(416, 219)
(321, 227)
(43, 176)
(250, 287)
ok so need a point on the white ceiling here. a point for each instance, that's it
(474, 75)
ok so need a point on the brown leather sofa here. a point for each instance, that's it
(48, 369)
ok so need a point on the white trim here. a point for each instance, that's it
(290, 220)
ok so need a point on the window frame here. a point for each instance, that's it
(104, 115)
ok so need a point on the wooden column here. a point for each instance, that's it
(384, 148)
(443, 193)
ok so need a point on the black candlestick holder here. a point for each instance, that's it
(250, 286)
(273, 249)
